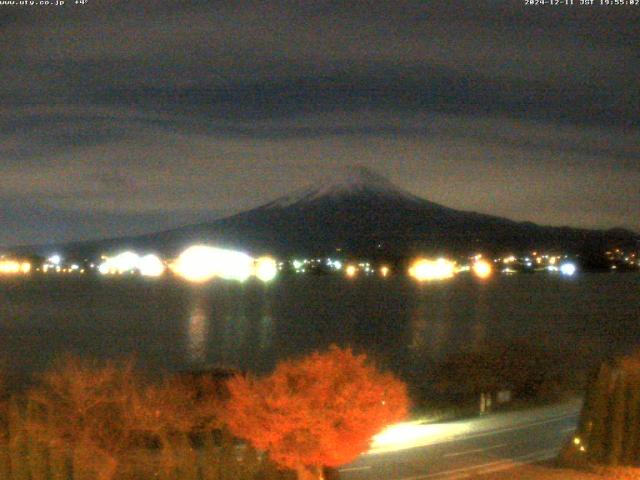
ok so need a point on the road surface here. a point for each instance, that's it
(465, 449)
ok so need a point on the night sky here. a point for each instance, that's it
(129, 117)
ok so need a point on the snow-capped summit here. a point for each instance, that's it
(345, 181)
(357, 212)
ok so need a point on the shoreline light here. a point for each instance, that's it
(124, 262)
(130, 262)
(351, 271)
(201, 263)
(197, 264)
(151, 266)
(425, 269)
(568, 269)
(266, 269)
(482, 269)
(14, 267)
(55, 259)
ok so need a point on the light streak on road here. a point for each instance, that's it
(407, 435)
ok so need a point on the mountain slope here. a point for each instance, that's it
(362, 213)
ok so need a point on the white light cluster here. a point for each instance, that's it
(151, 266)
(130, 262)
(54, 260)
(568, 269)
(299, 265)
(266, 269)
(334, 264)
(201, 263)
(365, 267)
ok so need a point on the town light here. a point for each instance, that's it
(266, 269)
(151, 266)
(13, 267)
(201, 263)
(122, 263)
(568, 269)
(9, 266)
(197, 263)
(55, 259)
(426, 270)
(482, 269)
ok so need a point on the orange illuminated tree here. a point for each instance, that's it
(80, 406)
(321, 410)
(112, 423)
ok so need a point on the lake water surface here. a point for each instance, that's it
(174, 326)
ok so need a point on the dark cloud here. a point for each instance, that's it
(121, 110)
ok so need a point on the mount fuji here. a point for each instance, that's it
(359, 212)
(345, 182)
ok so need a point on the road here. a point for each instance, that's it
(465, 449)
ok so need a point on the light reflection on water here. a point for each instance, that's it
(229, 326)
(430, 324)
(252, 326)
(400, 325)
(197, 332)
(266, 332)
(480, 320)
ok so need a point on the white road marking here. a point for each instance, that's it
(531, 458)
(522, 426)
(355, 469)
(464, 471)
(475, 450)
(506, 464)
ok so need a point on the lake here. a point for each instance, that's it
(171, 325)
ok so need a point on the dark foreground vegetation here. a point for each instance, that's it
(510, 375)
(85, 419)
(609, 429)
(89, 420)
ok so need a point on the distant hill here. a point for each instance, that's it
(362, 213)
